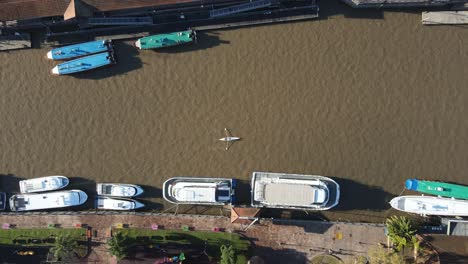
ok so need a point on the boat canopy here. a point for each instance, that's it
(292, 194)
(190, 192)
(119, 190)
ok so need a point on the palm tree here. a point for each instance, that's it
(119, 245)
(400, 231)
(228, 255)
(64, 247)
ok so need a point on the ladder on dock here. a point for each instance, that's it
(240, 8)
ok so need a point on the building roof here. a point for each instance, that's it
(241, 215)
(29, 9)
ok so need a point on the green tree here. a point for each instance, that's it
(119, 245)
(64, 247)
(379, 255)
(400, 231)
(228, 254)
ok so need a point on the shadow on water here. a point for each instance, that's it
(150, 206)
(338, 8)
(280, 256)
(127, 60)
(150, 192)
(10, 183)
(205, 40)
(377, 199)
(242, 192)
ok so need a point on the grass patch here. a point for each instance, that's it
(196, 238)
(38, 237)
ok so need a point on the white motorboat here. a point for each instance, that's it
(108, 203)
(118, 189)
(294, 191)
(43, 184)
(49, 200)
(430, 205)
(203, 191)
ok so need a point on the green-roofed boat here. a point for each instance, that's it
(438, 188)
(167, 40)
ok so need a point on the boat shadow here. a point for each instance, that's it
(358, 196)
(10, 183)
(127, 60)
(205, 40)
(150, 192)
(335, 8)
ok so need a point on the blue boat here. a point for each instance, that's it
(85, 63)
(80, 50)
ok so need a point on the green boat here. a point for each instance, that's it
(167, 40)
(438, 188)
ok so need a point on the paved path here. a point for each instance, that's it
(276, 241)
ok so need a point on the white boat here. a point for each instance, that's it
(118, 189)
(430, 205)
(203, 191)
(49, 200)
(294, 191)
(43, 184)
(108, 203)
(228, 138)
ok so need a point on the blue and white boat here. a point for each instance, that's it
(85, 63)
(80, 50)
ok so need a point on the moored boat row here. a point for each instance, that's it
(99, 53)
(269, 190)
(451, 199)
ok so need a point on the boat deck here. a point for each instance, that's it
(445, 18)
(292, 194)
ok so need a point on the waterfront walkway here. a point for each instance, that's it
(276, 241)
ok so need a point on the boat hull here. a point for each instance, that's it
(430, 205)
(202, 191)
(301, 192)
(438, 188)
(85, 64)
(119, 204)
(43, 184)
(80, 50)
(3, 201)
(166, 40)
(106, 189)
(46, 201)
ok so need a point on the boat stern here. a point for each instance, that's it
(411, 184)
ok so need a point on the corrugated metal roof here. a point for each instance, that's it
(24, 9)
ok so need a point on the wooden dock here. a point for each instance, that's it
(445, 18)
(15, 42)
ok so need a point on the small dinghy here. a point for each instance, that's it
(43, 184)
(50, 200)
(430, 205)
(118, 189)
(203, 191)
(228, 138)
(122, 204)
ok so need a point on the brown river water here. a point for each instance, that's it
(367, 97)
